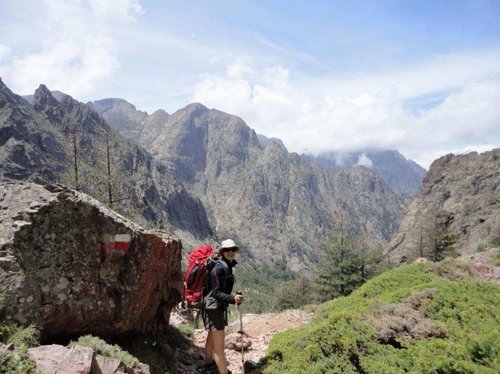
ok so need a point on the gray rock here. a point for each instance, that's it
(107, 365)
(461, 196)
(98, 273)
(235, 342)
(57, 359)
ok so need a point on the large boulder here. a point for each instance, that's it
(72, 266)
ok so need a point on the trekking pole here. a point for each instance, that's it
(238, 306)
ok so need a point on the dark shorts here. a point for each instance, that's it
(214, 319)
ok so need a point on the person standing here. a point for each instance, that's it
(214, 313)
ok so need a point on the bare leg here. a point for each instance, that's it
(209, 348)
(218, 350)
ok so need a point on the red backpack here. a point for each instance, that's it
(196, 274)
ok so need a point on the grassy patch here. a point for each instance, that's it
(394, 324)
(496, 259)
(105, 349)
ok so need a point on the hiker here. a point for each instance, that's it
(215, 311)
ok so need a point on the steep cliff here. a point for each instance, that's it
(71, 266)
(273, 202)
(403, 176)
(460, 198)
(41, 141)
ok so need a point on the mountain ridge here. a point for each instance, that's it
(264, 195)
(459, 198)
(37, 145)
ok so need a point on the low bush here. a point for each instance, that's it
(105, 349)
(434, 324)
(22, 338)
(17, 362)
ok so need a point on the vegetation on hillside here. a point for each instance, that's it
(427, 318)
(344, 265)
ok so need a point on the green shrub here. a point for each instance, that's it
(22, 338)
(496, 259)
(11, 332)
(481, 248)
(25, 336)
(459, 331)
(105, 349)
(17, 362)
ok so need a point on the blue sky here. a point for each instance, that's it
(422, 77)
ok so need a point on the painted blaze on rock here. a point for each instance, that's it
(120, 242)
(73, 266)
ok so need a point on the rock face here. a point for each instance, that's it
(38, 142)
(58, 359)
(460, 195)
(271, 201)
(71, 266)
(403, 176)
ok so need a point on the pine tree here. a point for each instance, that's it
(342, 268)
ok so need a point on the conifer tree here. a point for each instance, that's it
(342, 268)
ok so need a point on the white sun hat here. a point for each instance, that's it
(228, 243)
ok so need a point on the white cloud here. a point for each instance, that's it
(121, 9)
(359, 114)
(78, 49)
(4, 51)
(364, 160)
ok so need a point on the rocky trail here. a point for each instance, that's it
(258, 330)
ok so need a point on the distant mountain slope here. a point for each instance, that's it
(134, 124)
(403, 176)
(273, 202)
(36, 144)
(460, 196)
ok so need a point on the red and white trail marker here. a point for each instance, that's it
(119, 242)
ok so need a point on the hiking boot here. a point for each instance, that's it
(210, 368)
(209, 364)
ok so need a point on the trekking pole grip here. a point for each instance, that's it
(239, 293)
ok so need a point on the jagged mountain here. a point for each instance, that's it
(36, 143)
(275, 203)
(403, 176)
(132, 123)
(264, 141)
(460, 196)
(58, 95)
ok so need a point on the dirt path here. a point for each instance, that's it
(258, 329)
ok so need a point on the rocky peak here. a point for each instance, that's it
(43, 98)
(460, 197)
(7, 96)
(194, 109)
(89, 120)
(159, 115)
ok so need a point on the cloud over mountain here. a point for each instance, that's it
(357, 112)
